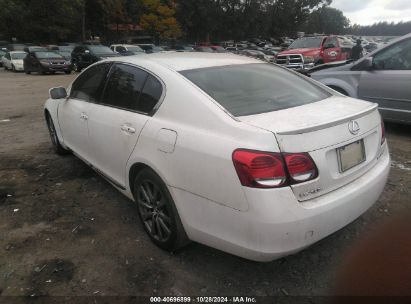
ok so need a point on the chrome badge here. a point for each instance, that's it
(353, 127)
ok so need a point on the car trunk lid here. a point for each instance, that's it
(322, 129)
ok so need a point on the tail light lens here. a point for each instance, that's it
(301, 167)
(259, 169)
(272, 170)
(382, 131)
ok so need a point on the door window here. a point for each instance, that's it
(89, 84)
(124, 87)
(151, 94)
(121, 49)
(331, 43)
(396, 57)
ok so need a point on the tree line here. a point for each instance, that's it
(191, 20)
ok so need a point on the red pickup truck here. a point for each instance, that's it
(306, 52)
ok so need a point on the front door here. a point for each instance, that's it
(116, 123)
(388, 83)
(74, 113)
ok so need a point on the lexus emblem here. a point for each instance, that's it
(354, 127)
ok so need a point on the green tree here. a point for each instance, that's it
(159, 19)
(326, 20)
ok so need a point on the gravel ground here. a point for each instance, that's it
(65, 231)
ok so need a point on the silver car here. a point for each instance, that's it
(383, 76)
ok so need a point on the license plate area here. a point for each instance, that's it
(351, 155)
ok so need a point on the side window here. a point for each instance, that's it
(331, 43)
(89, 84)
(121, 49)
(151, 94)
(124, 87)
(396, 57)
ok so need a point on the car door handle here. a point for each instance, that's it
(83, 116)
(128, 129)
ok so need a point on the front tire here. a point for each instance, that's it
(157, 211)
(13, 68)
(58, 148)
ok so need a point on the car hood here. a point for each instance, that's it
(306, 52)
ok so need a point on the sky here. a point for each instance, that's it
(367, 12)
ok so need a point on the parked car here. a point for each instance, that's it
(261, 165)
(31, 49)
(127, 49)
(218, 49)
(45, 62)
(232, 49)
(383, 76)
(203, 49)
(184, 48)
(253, 53)
(151, 48)
(87, 54)
(14, 60)
(63, 50)
(304, 53)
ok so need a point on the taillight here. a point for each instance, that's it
(301, 167)
(259, 169)
(271, 170)
(382, 131)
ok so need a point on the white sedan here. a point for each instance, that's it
(14, 60)
(224, 150)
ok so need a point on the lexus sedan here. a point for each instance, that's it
(224, 150)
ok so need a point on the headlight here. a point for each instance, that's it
(67, 62)
(44, 62)
(308, 59)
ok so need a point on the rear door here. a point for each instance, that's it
(117, 121)
(74, 113)
(389, 82)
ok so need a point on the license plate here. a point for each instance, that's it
(351, 155)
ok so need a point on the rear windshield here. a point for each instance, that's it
(309, 43)
(249, 89)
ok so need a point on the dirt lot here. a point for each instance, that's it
(66, 231)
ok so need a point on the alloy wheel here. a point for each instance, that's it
(153, 211)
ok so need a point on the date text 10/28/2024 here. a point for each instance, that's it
(203, 300)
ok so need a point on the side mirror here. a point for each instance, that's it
(58, 93)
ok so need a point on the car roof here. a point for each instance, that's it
(179, 61)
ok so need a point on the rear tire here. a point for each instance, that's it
(67, 72)
(157, 211)
(58, 148)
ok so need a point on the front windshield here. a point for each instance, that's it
(46, 55)
(18, 55)
(248, 89)
(99, 49)
(307, 43)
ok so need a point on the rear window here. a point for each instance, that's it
(249, 89)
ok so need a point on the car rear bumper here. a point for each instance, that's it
(276, 224)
